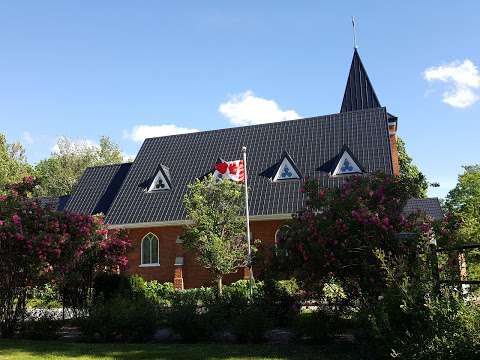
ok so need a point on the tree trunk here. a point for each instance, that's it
(220, 285)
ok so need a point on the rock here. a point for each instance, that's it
(279, 336)
(165, 335)
(224, 336)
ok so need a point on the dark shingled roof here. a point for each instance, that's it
(430, 206)
(56, 203)
(359, 92)
(311, 142)
(97, 188)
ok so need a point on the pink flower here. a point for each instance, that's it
(16, 220)
(2, 222)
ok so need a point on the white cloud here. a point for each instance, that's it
(27, 138)
(463, 78)
(248, 109)
(142, 132)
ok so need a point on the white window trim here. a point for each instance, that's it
(338, 172)
(159, 176)
(285, 162)
(149, 265)
(141, 252)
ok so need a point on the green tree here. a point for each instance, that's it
(335, 236)
(410, 171)
(13, 163)
(217, 232)
(464, 202)
(59, 173)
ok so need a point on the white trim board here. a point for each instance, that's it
(187, 222)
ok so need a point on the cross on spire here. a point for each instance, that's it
(354, 33)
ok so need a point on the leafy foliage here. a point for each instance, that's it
(411, 172)
(411, 322)
(13, 164)
(464, 202)
(335, 237)
(40, 246)
(121, 319)
(217, 234)
(59, 174)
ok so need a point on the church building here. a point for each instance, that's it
(146, 195)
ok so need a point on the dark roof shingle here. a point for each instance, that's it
(359, 93)
(430, 207)
(97, 189)
(311, 142)
(54, 202)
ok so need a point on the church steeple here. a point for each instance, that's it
(359, 92)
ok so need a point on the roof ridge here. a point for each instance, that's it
(318, 117)
(119, 164)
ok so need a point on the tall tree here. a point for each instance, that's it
(13, 163)
(217, 232)
(59, 173)
(410, 171)
(464, 202)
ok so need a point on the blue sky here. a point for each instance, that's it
(127, 69)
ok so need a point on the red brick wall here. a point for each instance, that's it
(194, 275)
(392, 129)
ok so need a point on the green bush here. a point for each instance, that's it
(185, 318)
(121, 319)
(412, 322)
(319, 327)
(280, 302)
(44, 297)
(108, 286)
(43, 328)
(160, 293)
(250, 324)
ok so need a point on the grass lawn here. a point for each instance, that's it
(33, 350)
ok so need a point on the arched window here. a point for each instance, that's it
(150, 250)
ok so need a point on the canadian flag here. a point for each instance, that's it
(232, 170)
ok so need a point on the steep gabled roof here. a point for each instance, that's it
(97, 189)
(359, 93)
(429, 206)
(311, 142)
(54, 202)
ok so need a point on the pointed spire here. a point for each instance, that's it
(359, 92)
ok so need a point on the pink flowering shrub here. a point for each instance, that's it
(336, 235)
(39, 245)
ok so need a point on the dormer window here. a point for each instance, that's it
(283, 170)
(286, 171)
(347, 164)
(161, 182)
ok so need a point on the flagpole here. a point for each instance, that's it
(247, 215)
